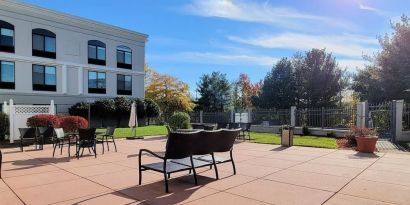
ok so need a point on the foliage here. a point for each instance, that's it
(103, 107)
(140, 108)
(215, 92)
(151, 109)
(279, 86)
(305, 130)
(244, 90)
(122, 106)
(4, 125)
(388, 77)
(73, 123)
(361, 132)
(43, 120)
(169, 93)
(79, 109)
(179, 120)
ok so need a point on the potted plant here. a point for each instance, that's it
(366, 139)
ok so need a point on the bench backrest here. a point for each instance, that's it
(180, 145)
(226, 140)
(86, 134)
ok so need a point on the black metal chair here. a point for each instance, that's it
(179, 146)
(86, 139)
(246, 130)
(30, 135)
(60, 139)
(46, 133)
(109, 133)
(1, 161)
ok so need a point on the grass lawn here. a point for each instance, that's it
(141, 131)
(307, 141)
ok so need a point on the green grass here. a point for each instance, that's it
(141, 131)
(307, 141)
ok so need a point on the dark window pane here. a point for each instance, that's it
(100, 53)
(50, 76)
(120, 56)
(128, 84)
(92, 79)
(7, 72)
(120, 82)
(7, 37)
(38, 74)
(92, 52)
(38, 42)
(128, 58)
(50, 44)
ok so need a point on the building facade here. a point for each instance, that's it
(47, 55)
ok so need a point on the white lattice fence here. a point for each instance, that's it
(18, 115)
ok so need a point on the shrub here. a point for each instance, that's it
(122, 106)
(79, 109)
(151, 109)
(72, 123)
(103, 107)
(305, 130)
(179, 120)
(43, 120)
(4, 125)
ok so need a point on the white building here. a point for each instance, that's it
(47, 55)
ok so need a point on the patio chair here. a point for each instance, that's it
(221, 143)
(86, 139)
(30, 135)
(45, 132)
(109, 133)
(179, 146)
(246, 130)
(60, 139)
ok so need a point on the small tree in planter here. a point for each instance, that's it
(179, 120)
(366, 139)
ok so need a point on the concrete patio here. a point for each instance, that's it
(267, 174)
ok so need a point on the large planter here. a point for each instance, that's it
(366, 144)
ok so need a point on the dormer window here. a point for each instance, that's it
(124, 57)
(96, 52)
(44, 43)
(6, 37)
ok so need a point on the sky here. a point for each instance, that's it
(188, 38)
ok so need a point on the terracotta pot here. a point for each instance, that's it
(366, 144)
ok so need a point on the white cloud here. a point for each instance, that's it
(213, 58)
(352, 64)
(343, 45)
(371, 9)
(250, 11)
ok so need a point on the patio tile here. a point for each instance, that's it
(249, 169)
(343, 162)
(57, 192)
(98, 169)
(125, 179)
(3, 186)
(341, 199)
(386, 176)
(280, 193)
(328, 169)
(26, 170)
(308, 179)
(271, 162)
(397, 156)
(8, 197)
(68, 163)
(98, 199)
(378, 191)
(291, 157)
(389, 160)
(40, 179)
(400, 168)
(225, 198)
(351, 154)
(181, 196)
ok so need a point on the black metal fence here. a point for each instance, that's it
(271, 116)
(344, 117)
(380, 117)
(406, 116)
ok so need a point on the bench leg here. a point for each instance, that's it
(233, 163)
(214, 163)
(193, 169)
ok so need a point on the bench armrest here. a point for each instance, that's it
(149, 152)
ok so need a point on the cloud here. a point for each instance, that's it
(352, 64)
(343, 45)
(249, 11)
(371, 9)
(216, 58)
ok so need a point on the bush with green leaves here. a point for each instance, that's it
(179, 120)
(79, 109)
(151, 109)
(103, 107)
(122, 106)
(4, 125)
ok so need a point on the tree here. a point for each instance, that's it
(169, 93)
(279, 86)
(318, 79)
(103, 108)
(79, 109)
(244, 90)
(151, 109)
(367, 84)
(122, 108)
(215, 92)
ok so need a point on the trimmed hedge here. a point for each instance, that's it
(72, 123)
(179, 120)
(43, 120)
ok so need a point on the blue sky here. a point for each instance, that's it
(192, 37)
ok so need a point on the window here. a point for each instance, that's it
(6, 75)
(44, 43)
(44, 78)
(124, 57)
(96, 52)
(124, 84)
(6, 37)
(96, 82)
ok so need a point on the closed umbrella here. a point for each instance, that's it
(133, 122)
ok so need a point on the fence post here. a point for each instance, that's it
(201, 115)
(293, 116)
(11, 119)
(249, 115)
(322, 117)
(361, 115)
(232, 116)
(397, 120)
